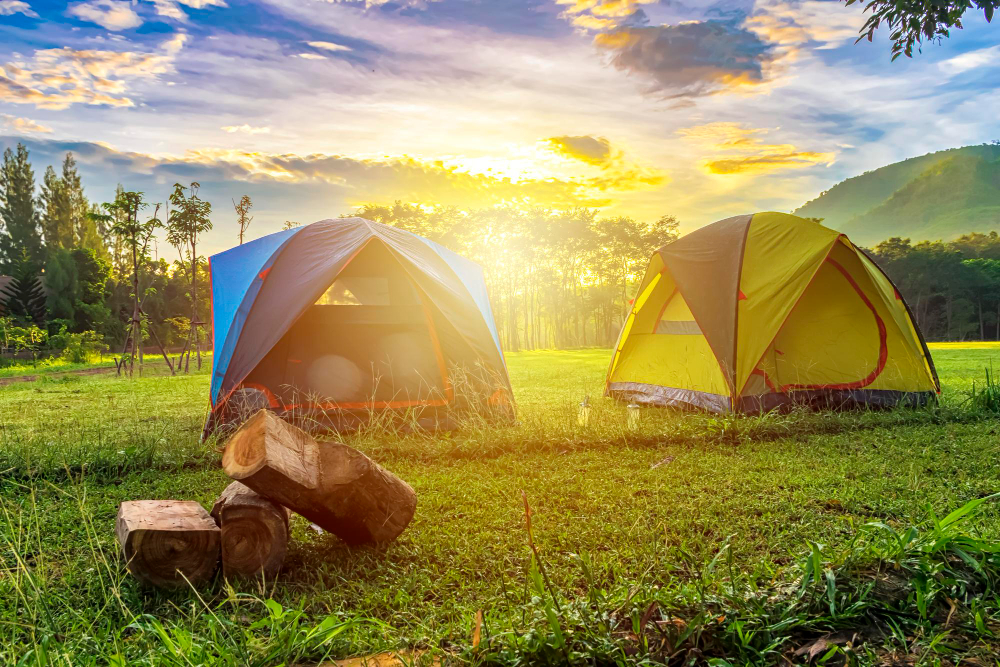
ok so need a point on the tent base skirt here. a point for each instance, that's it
(838, 399)
(652, 394)
(820, 399)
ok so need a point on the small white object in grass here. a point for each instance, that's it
(633, 416)
(319, 531)
(336, 379)
(583, 416)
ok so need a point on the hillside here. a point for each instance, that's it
(934, 196)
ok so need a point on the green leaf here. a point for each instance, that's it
(965, 510)
(831, 591)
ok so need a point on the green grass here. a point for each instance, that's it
(720, 534)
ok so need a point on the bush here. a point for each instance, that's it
(17, 338)
(77, 348)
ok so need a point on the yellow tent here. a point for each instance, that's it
(757, 311)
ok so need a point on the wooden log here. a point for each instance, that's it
(254, 532)
(166, 541)
(333, 485)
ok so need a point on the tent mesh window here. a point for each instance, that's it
(676, 318)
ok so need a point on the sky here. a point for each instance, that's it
(644, 108)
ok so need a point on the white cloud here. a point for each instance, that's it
(312, 56)
(971, 60)
(11, 7)
(329, 46)
(109, 14)
(171, 8)
(246, 129)
(795, 23)
(23, 125)
(59, 78)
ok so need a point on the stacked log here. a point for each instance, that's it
(168, 543)
(254, 532)
(277, 469)
(335, 486)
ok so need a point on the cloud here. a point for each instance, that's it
(316, 186)
(171, 8)
(312, 56)
(11, 7)
(971, 60)
(109, 14)
(616, 172)
(410, 179)
(59, 78)
(605, 15)
(687, 59)
(740, 150)
(246, 129)
(588, 22)
(23, 124)
(592, 150)
(792, 24)
(328, 46)
(616, 8)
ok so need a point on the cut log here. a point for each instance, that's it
(168, 541)
(335, 486)
(254, 532)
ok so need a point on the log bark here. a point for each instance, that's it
(335, 486)
(168, 541)
(254, 532)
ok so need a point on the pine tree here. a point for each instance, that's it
(20, 234)
(64, 210)
(82, 225)
(88, 235)
(56, 212)
(26, 300)
(61, 284)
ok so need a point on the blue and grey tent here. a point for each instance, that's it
(348, 318)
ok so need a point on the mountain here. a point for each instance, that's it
(935, 196)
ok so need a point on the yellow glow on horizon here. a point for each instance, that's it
(740, 150)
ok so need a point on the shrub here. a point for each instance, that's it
(17, 338)
(77, 348)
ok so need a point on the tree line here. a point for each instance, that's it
(952, 287)
(566, 279)
(556, 279)
(85, 276)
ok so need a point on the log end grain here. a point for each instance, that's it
(254, 532)
(168, 542)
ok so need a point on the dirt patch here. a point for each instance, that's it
(97, 370)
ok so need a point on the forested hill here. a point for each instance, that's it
(935, 196)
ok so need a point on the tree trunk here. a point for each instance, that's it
(163, 350)
(136, 323)
(194, 300)
(168, 542)
(254, 532)
(333, 485)
(982, 324)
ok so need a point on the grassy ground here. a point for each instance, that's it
(626, 524)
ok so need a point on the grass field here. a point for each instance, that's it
(690, 539)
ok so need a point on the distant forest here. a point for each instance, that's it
(952, 287)
(79, 276)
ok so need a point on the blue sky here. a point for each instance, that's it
(639, 107)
